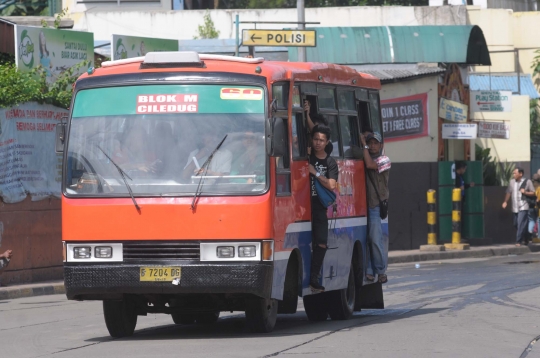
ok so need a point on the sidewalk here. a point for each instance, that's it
(394, 257)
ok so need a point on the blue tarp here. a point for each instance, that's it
(506, 82)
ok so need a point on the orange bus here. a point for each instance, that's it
(185, 189)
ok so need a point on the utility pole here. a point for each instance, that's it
(300, 9)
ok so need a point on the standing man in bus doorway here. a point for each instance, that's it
(377, 174)
(322, 167)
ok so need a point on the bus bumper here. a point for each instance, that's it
(100, 281)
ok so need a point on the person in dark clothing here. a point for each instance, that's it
(316, 119)
(322, 167)
(461, 168)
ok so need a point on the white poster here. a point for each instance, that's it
(493, 130)
(459, 131)
(28, 161)
(491, 101)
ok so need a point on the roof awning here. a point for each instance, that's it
(503, 82)
(398, 44)
(388, 73)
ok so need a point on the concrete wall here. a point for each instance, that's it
(518, 147)
(141, 20)
(422, 149)
(32, 229)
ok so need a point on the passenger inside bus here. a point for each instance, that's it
(134, 155)
(221, 161)
(249, 159)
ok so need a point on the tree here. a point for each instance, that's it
(25, 8)
(207, 30)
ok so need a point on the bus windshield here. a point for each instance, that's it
(162, 139)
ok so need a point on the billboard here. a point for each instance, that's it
(491, 101)
(453, 111)
(55, 50)
(405, 117)
(493, 130)
(123, 47)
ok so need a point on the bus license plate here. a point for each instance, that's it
(160, 273)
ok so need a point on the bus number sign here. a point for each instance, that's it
(286, 38)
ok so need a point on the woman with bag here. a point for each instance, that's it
(323, 171)
(377, 173)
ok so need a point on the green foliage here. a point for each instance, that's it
(18, 87)
(207, 30)
(534, 118)
(495, 173)
(536, 65)
(26, 8)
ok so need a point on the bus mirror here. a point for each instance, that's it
(278, 138)
(60, 137)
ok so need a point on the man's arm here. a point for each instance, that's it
(329, 184)
(529, 189)
(307, 108)
(370, 163)
(506, 198)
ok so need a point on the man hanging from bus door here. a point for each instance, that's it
(322, 167)
(377, 174)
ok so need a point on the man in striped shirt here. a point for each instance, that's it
(518, 188)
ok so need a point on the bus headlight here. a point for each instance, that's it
(103, 252)
(247, 251)
(82, 252)
(225, 252)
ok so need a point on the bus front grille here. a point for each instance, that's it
(162, 250)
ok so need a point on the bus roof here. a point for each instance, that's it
(274, 70)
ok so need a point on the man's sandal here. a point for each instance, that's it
(383, 278)
(370, 278)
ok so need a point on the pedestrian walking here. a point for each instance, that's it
(519, 189)
(377, 175)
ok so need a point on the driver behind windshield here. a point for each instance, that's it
(220, 163)
(133, 153)
(250, 160)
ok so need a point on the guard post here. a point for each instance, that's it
(431, 223)
(456, 222)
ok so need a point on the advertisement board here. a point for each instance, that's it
(132, 46)
(491, 101)
(55, 50)
(29, 163)
(453, 111)
(405, 117)
(459, 131)
(493, 130)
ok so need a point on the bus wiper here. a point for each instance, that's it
(205, 168)
(123, 174)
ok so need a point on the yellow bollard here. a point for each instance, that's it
(432, 223)
(431, 217)
(456, 223)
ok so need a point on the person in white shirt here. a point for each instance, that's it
(220, 164)
(518, 188)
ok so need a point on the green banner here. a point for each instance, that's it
(168, 99)
(123, 47)
(55, 50)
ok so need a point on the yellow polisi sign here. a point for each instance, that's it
(287, 38)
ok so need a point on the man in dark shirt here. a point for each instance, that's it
(322, 167)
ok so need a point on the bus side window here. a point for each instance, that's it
(334, 135)
(363, 114)
(283, 171)
(375, 112)
(299, 137)
(350, 137)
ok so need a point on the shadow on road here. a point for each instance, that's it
(233, 326)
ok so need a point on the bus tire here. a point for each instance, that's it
(183, 318)
(289, 304)
(207, 317)
(261, 314)
(341, 302)
(316, 307)
(120, 318)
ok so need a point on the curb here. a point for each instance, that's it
(474, 253)
(7, 293)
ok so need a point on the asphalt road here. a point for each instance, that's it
(454, 308)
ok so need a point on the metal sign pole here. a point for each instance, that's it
(300, 9)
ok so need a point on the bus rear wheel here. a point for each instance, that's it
(316, 307)
(261, 314)
(341, 302)
(120, 318)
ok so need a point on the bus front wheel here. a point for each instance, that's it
(120, 318)
(261, 314)
(341, 302)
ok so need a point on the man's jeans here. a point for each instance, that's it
(377, 244)
(521, 222)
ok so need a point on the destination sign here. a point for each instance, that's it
(287, 38)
